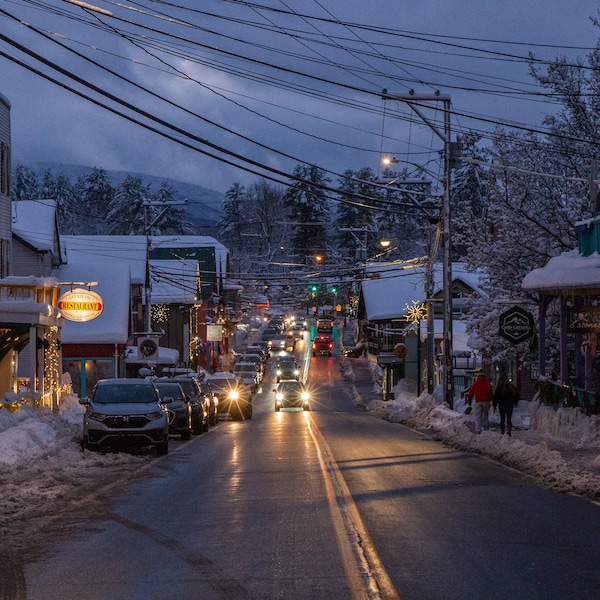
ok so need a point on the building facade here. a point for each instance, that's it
(5, 208)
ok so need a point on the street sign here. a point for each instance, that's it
(516, 325)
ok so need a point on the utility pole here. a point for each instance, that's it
(415, 102)
(147, 228)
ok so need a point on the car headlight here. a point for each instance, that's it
(96, 416)
(233, 395)
(296, 372)
(154, 416)
(278, 372)
(279, 396)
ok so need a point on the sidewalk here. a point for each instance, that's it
(358, 371)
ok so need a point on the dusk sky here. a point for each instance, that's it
(243, 90)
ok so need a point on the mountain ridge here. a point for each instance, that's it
(204, 206)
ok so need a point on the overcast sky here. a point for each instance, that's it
(251, 92)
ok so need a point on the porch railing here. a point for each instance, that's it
(558, 395)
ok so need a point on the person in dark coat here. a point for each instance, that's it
(505, 398)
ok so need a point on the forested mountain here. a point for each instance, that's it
(204, 206)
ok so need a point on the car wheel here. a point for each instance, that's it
(206, 424)
(277, 407)
(187, 434)
(248, 413)
(84, 443)
(199, 427)
(306, 407)
(162, 449)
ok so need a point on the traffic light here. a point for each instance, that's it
(334, 290)
(314, 288)
(456, 152)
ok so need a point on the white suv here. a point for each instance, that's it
(125, 412)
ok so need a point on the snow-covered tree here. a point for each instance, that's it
(126, 209)
(354, 211)
(25, 185)
(95, 201)
(309, 208)
(173, 221)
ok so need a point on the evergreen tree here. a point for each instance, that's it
(231, 225)
(25, 184)
(67, 200)
(354, 211)
(309, 208)
(126, 214)
(173, 220)
(96, 199)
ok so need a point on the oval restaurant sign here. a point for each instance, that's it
(80, 305)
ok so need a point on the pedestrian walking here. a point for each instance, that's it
(482, 391)
(505, 398)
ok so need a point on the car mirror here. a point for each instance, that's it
(167, 400)
(84, 401)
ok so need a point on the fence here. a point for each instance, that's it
(559, 395)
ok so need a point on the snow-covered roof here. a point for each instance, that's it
(387, 296)
(568, 271)
(114, 286)
(173, 281)
(34, 221)
(132, 249)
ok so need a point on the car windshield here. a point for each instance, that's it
(291, 386)
(123, 394)
(169, 390)
(189, 387)
(244, 368)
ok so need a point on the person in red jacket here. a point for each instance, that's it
(482, 391)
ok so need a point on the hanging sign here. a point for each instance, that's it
(214, 333)
(583, 319)
(80, 305)
(516, 325)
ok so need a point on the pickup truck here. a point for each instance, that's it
(322, 344)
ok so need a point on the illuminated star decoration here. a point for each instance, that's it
(160, 313)
(416, 312)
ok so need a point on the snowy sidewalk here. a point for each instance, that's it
(564, 453)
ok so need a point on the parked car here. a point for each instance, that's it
(322, 344)
(198, 401)
(125, 412)
(287, 368)
(265, 346)
(234, 395)
(259, 351)
(213, 402)
(268, 334)
(248, 373)
(180, 409)
(258, 361)
(291, 393)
